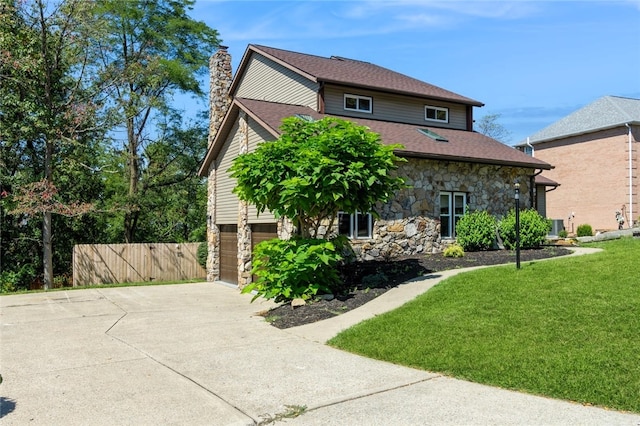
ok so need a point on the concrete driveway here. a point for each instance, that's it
(197, 354)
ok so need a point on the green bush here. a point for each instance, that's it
(11, 281)
(533, 229)
(299, 268)
(584, 230)
(202, 253)
(563, 233)
(476, 231)
(454, 250)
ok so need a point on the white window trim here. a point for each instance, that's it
(446, 110)
(358, 98)
(453, 217)
(353, 226)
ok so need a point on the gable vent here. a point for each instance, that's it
(433, 135)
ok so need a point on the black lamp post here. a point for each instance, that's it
(517, 197)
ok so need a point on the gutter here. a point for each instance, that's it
(630, 218)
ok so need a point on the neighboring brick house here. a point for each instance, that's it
(449, 167)
(594, 154)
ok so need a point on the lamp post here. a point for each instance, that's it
(517, 198)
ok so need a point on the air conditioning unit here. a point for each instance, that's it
(557, 225)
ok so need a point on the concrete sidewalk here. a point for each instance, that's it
(197, 354)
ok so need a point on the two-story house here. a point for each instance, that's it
(594, 153)
(450, 167)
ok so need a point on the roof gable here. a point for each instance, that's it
(604, 113)
(351, 72)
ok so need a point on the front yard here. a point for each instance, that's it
(565, 328)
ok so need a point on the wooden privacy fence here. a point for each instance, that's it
(120, 263)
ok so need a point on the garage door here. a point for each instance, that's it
(229, 253)
(262, 232)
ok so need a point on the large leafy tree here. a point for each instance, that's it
(46, 120)
(151, 50)
(316, 169)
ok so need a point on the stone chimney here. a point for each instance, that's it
(220, 78)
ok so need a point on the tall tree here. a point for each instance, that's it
(489, 126)
(44, 108)
(151, 51)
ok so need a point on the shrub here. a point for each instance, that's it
(476, 231)
(584, 230)
(453, 250)
(202, 253)
(11, 281)
(533, 229)
(299, 268)
(563, 233)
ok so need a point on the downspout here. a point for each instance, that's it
(533, 150)
(532, 184)
(630, 218)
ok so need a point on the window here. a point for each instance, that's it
(452, 207)
(357, 225)
(433, 113)
(433, 135)
(358, 103)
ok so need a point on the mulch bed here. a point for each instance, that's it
(364, 281)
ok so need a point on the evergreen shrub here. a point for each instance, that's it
(476, 231)
(584, 230)
(533, 229)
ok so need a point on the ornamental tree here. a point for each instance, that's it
(316, 169)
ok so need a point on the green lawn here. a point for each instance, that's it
(566, 328)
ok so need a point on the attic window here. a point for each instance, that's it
(358, 103)
(434, 113)
(305, 117)
(433, 135)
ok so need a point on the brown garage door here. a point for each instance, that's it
(229, 253)
(262, 232)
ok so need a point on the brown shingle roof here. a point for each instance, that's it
(354, 73)
(461, 145)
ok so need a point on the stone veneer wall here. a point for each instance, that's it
(409, 224)
(220, 78)
(244, 229)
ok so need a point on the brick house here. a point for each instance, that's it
(595, 158)
(450, 167)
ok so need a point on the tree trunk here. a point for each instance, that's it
(47, 253)
(47, 249)
(130, 218)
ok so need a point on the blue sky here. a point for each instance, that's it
(532, 62)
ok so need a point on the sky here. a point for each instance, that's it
(531, 62)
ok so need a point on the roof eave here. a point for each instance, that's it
(493, 162)
(464, 100)
(585, 132)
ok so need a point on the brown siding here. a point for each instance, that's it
(267, 80)
(400, 109)
(592, 170)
